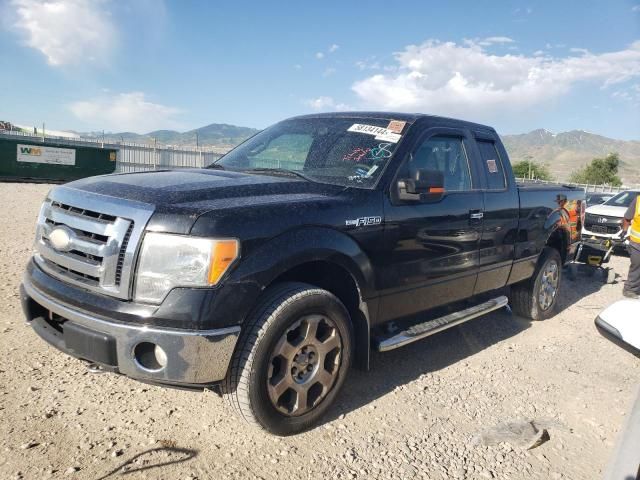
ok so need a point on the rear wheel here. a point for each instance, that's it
(291, 359)
(537, 297)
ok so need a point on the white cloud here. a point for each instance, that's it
(326, 103)
(319, 55)
(328, 72)
(452, 79)
(579, 50)
(125, 112)
(333, 48)
(492, 40)
(66, 31)
(487, 41)
(368, 65)
(635, 8)
(631, 95)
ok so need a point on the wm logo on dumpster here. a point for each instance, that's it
(30, 151)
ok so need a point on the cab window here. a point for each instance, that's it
(447, 155)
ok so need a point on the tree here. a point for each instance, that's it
(530, 169)
(601, 171)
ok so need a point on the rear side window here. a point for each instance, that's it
(492, 165)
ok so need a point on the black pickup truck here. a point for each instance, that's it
(266, 275)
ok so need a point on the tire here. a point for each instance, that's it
(525, 296)
(284, 351)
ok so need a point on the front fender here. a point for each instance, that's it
(231, 302)
(303, 245)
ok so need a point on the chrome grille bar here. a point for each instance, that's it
(70, 261)
(104, 233)
(84, 244)
(87, 224)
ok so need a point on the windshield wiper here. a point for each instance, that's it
(216, 166)
(281, 171)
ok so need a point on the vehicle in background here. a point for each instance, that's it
(604, 222)
(597, 198)
(269, 273)
(619, 323)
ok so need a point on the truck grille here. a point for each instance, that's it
(603, 229)
(90, 240)
(602, 224)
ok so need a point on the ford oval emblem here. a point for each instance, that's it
(61, 239)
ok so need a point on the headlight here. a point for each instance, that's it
(168, 261)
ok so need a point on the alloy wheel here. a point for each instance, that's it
(304, 365)
(549, 285)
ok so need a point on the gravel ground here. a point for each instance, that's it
(419, 412)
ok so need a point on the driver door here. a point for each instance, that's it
(432, 248)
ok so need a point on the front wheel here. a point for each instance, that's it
(537, 297)
(291, 359)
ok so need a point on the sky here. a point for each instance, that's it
(144, 65)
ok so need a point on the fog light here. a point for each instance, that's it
(161, 356)
(150, 356)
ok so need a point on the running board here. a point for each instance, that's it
(422, 330)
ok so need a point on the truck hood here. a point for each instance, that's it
(607, 210)
(179, 197)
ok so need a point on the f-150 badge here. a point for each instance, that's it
(363, 221)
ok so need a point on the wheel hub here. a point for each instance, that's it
(304, 365)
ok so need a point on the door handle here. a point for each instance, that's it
(476, 215)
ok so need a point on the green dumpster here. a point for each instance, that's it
(50, 161)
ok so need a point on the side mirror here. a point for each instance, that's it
(619, 323)
(425, 185)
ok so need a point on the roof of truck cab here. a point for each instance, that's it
(404, 117)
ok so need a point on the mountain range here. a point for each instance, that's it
(216, 134)
(565, 152)
(562, 153)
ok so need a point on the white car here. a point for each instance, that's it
(604, 221)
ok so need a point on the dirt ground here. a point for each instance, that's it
(418, 412)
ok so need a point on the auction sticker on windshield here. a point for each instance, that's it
(380, 133)
(396, 126)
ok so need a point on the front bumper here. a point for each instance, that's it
(615, 238)
(194, 358)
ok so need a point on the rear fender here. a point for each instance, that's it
(557, 229)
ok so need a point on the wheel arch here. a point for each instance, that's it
(327, 259)
(559, 240)
(339, 281)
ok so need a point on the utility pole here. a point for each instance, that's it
(43, 134)
(197, 139)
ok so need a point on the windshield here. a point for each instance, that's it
(340, 151)
(623, 199)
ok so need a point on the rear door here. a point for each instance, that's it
(501, 213)
(432, 248)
